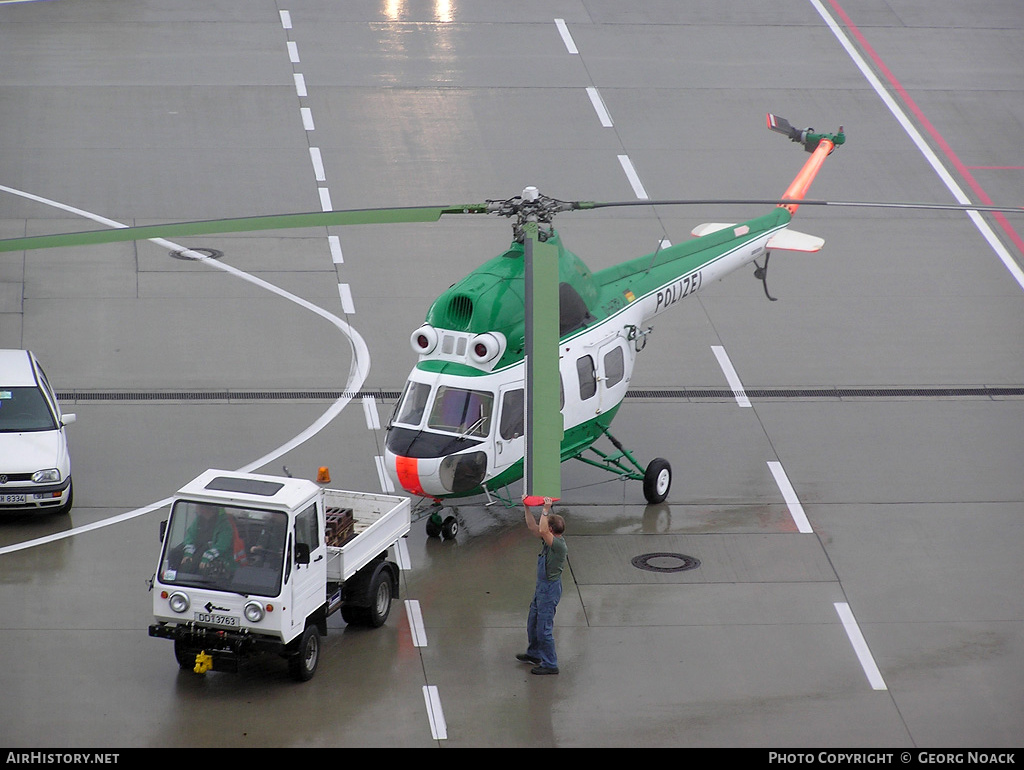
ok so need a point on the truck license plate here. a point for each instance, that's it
(216, 620)
(13, 499)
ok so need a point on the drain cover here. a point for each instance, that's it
(188, 253)
(665, 562)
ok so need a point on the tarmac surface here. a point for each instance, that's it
(853, 515)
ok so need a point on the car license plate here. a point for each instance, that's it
(216, 620)
(13, 499)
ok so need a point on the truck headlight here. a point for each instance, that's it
(253, 612)
(178, 602)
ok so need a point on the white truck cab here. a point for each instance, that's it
(252, 563)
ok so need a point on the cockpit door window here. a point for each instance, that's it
(413, 403)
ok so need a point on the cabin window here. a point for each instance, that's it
(466, 412)
(614, 367)
(511, 424)
(413, 402)
(585, 371)
(306, 529)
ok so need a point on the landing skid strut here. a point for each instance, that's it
(657, 476)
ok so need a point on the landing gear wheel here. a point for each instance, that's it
(657, 480)
(303, 664)
(434, 526)
(450, 528)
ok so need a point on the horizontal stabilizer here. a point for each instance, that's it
(784, 240)
(709, 227)
(791, 240)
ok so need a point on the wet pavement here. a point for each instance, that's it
(837, 564)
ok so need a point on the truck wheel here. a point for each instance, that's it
(353, 616)
(185, 656)
(657, 480)
(380, 597)
(303, 664)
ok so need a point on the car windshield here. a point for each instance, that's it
(224, 548)
(24, 409)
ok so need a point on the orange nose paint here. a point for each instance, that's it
(407, 469)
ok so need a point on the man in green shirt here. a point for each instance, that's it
(208, 542)
(540, 624)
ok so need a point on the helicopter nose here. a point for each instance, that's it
(407, 474)
(438, 476)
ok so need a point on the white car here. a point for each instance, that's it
(35, 467)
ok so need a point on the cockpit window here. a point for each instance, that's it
(413, 402)
(467, 412)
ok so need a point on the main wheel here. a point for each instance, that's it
(657, 480)
(450, 528)
(380, 598)
(303, 664)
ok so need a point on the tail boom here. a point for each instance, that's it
(819, 145)
(798, 188)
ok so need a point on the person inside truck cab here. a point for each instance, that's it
(209, 542)
(269, 546)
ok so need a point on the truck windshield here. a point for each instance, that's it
(224, 548)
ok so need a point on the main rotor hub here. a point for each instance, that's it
(531, 206)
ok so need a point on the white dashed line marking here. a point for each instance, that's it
(633, 177)
(867, 661)
(789, 495)
(563, 30)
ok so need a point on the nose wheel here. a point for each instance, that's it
(445, 528)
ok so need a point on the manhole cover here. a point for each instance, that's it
(665, 562)
(192, 254)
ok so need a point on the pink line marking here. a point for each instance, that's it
(929, 128)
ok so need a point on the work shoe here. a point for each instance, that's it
(543, 670)
(524, 658)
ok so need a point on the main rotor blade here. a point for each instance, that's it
(804, 202)
(240, 225)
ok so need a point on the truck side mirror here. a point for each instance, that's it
(302, 553)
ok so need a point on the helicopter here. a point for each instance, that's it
(459, 427)
(524, 363)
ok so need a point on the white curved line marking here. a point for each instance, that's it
(356, 378)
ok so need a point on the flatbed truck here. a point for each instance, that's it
(253, 564)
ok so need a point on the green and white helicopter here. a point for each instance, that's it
(524, 363)
(460, 426)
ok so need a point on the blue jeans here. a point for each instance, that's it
(540, 625)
